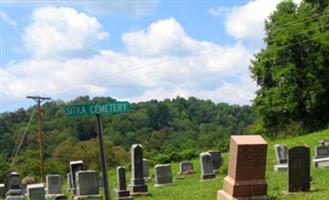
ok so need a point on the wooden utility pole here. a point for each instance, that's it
(39, 100)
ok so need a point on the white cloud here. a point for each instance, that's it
(246, 22)
(241, 92)
(181, 66)
(5, 18)
(164, 37)
(62, 32)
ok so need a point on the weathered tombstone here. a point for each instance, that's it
(14, 187)
(87, 185)
(54, 184)
(121, 193)
(186, 167)
(54, 187)
(146, 170)
(299, 169)
(75, 166)
(216, 159)
(321, 159)
(2, 190)
(281, 155)
(36, 191)
(163, 175)
(321, 151)
(207, 169)
(69, 181)
(137, 185)
(246, 169)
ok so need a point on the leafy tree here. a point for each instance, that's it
(173, 129)
(293, 70)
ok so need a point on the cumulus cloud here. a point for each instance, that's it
(62, 32)
(246, 22)
(160, 61)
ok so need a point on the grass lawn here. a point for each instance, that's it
(191, 188)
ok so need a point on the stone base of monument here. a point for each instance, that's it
(15, 197)
(163, 185)
(222, 195)
(280, 167)
(14, 192)
(321, 162)
(88, 197)
(56, 196)
(242, 190)
(138, 190)
(122, 195)
(205, 177)
(180, 177)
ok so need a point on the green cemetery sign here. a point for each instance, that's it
(98, 108)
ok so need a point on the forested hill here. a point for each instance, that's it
(172, 129)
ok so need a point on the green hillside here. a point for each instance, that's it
(191, 188)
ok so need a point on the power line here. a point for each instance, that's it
(291, 23)
(292, 44)
(298, 33)
(22, 139)
(39, 100)
(152, 64)
(119, 73)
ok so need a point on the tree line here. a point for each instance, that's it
(170, 130)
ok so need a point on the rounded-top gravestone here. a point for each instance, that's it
(299, 176)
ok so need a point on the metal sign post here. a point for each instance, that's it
(102, 156)
(97, 109)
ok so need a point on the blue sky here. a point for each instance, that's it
(130, 50)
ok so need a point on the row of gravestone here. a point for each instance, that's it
(247, 166)
(17, 191)
(245, 179)
(320, 160)
(296, 161)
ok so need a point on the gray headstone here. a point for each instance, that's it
(14, 181)
(145, 168)
(163, 175)
(281, 154)
(2, 190)
(87, 183)
(36, 191)
(207, 170)
(75, 166)
(121, 193)
(14, 186)
(137, 184)
(54, 184)
(321, 151)
(216, 159)
(299, 169)
(69, 181)
(186, 167)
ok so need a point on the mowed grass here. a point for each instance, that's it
(191, 188)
